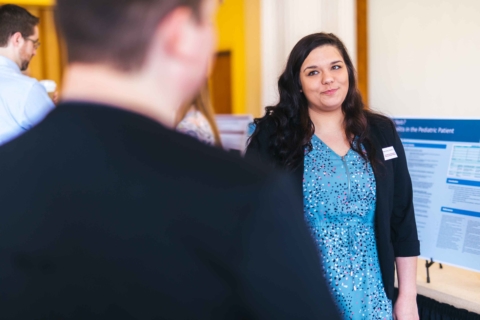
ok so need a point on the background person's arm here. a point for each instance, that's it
(37, 105)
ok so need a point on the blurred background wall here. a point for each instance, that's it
(424, 57)
(414, 57)
(254, 39)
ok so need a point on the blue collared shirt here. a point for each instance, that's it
(23, 101)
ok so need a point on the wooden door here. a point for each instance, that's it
(221, 83)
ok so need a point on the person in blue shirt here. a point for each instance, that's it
(23, 100)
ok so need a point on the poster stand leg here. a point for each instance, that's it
(428, 264)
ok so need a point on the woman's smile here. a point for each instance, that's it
(330, 92)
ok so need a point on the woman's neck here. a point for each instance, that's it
(329, 127)
(327, 122)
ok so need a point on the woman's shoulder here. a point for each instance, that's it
(265, 126)
(381, 125)
(261, 139)
(266, 122)
(379, 122)
(378, 119)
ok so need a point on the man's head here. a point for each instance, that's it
(146, 55)
(124, 34)
(18, 34)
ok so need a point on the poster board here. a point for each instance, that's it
(443, 157)
(233, 130)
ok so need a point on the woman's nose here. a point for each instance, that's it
(327, 78)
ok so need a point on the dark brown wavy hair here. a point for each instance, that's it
(290, 118)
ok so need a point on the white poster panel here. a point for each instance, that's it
(443, 158)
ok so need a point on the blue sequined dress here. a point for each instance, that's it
(339, 205)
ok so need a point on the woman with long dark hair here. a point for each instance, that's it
(351, 167)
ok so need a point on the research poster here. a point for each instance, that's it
(444, 162)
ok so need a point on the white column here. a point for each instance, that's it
(271, 16)
(347, 26)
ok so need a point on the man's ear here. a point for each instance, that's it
(178, 33)
(16, 39)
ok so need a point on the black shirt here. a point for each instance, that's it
(108, 215)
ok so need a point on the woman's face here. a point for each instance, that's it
(324, 79)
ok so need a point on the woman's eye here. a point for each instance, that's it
(336, 67)
(312, 73)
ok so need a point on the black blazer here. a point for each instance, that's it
(105, 214)
(395, 227)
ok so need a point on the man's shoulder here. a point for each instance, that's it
(117, 136)
(18, 79)
(13, 84)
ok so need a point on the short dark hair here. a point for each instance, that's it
(114, 32)
(15, 19)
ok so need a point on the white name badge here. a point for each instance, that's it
(389, 153)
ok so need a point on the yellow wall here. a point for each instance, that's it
(31, 2)
(231, 37)
(253, 94)
(238, 24)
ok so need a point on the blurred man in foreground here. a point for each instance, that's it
(23, 100)
(108, 214)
